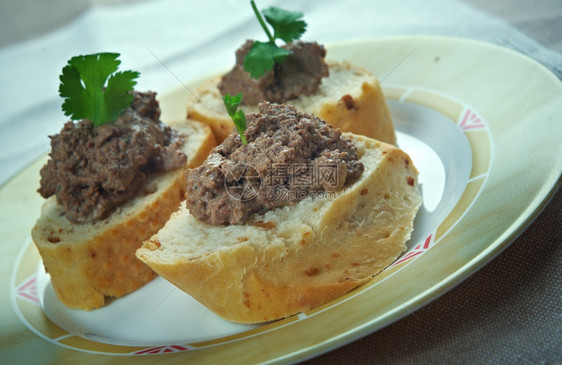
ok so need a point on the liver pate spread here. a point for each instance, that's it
(299, 74)
(93, 170)
(289, 156)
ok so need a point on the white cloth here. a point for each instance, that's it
(173, 40)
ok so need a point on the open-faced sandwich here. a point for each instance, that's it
(112, 180)
(285, 216)
(346, 96)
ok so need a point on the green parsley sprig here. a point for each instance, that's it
(287, 26)
(238, 117)
(86, 93)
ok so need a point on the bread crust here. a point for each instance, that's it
(304, 255)
(350, 98)
(89, 262)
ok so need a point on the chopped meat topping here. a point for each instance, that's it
(289, 155)
(94, 170)
(299, 74)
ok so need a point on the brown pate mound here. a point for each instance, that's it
(289, 155)
(299, 74)
(93, 170)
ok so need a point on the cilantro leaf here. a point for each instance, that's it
(262, 57)
(231, 102)
(76, 103)
(117, 96)
(96, 68)
(238, 117)
(286, 24)
(82, 87)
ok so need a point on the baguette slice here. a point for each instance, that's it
(298, 257)
(350, 98)
(91, 261)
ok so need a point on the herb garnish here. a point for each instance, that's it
(85, 92)
(238, 117)
(287, 26)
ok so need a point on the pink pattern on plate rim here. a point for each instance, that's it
(418, 250)
(28, 290)
(471, 120)
(161, 350)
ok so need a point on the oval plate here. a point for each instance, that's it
(505, 105)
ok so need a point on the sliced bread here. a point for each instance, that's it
(350, 98)
(88, 262)
(298, 257)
